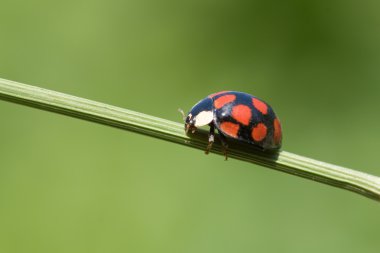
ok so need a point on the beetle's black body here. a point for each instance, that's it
(239, 116)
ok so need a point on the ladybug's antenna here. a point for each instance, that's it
(183, 114)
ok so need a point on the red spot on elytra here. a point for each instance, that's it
(216, 94)
(230, 128)
(260, 105)
(277, 136)
(259, 132)
(242, 114)
(221, 101)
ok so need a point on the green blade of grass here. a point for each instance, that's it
(356, 181)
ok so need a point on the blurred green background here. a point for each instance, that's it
(68, 185)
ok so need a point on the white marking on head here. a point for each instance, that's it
(203, 118)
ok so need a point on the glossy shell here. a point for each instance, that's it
(243, 117)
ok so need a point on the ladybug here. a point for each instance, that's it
(239, 116)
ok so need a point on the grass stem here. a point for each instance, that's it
(355, 181)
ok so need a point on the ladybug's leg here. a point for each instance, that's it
(223, 140)
(210, 138)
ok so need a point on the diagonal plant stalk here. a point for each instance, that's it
(356, 181)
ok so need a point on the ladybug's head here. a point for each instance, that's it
(200, 115)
